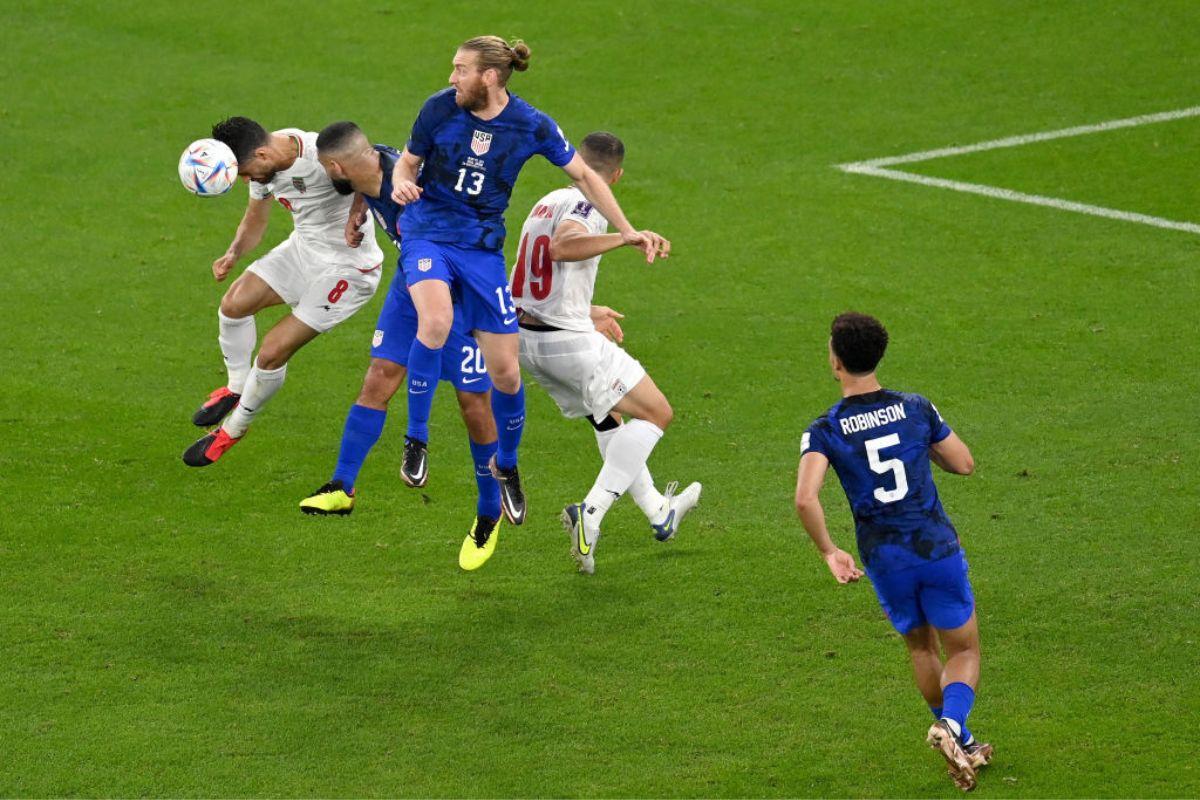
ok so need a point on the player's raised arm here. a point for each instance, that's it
(813, 467)
(249, 233)
(598, 194)
(952, 455)
(573, 242)
(404, 178)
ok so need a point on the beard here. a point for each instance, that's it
(473, 99)
(342, 186)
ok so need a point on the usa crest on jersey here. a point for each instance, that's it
(481, 142)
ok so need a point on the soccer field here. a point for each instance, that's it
(177, 632)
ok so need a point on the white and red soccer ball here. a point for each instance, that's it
(208, 168)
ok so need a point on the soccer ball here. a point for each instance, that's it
(208, 168)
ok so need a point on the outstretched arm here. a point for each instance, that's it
(249, 233)
(813, 467)
(598, 194)
(573, 242)
(404, 178)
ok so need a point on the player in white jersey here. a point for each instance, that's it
(314, 271)
(587, 374)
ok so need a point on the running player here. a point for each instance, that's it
(880, 443)
(355, 166)
(587, 375)
(456, 173)
(313, 271)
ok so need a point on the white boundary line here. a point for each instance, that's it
(876, 167)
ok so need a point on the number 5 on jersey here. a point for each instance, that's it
(892, 465)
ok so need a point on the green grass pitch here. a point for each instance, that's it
(175, 632)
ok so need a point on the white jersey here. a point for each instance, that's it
(558, 293)
(319, 213)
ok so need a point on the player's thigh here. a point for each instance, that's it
(897, 593)
(280, 276)
(562, 363)
(283, 340)
(946, 597)
(646, 401)
(500, 353)
(248, 295)
(333, 295)
(396, 325)
(427, 274)
(482, 282)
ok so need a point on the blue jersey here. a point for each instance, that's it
(878, 443)
(471, 167)
(386, 210)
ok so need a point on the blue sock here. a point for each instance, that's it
(424, 369)
(489, 491)
(361, 432)
(966, 734)
(509, 411)
(957, 699)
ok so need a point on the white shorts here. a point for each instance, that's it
(321, 294)
(583, 371)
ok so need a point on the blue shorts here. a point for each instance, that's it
(937, 594)
(462, 361)
(475, 275)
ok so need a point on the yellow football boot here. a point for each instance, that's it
(480, 543)
(331, 498)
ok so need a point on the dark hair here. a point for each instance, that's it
(243, 136)
(859, 341)
(495, 53)
(602, 151)
(335, 136)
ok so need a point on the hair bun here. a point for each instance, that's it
(520, 55)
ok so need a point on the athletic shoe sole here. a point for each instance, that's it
(958, 764)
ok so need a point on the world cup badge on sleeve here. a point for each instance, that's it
(481, 142)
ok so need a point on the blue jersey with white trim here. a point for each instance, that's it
(471, 166)
(878, 444)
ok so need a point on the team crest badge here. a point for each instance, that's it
(425, 264)
(299, 184)
(377, 339)
(481, 142)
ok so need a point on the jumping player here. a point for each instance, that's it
(588, 375)
(880, 443)
(313, 270)
(355, 166)
(456, 174)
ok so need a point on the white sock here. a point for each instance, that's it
(237, 338)
(261, 386)
(642, 490)
(624, 458)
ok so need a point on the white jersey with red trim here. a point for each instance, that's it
(557, 292)
(319, 213)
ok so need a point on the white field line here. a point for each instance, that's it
(876, 168)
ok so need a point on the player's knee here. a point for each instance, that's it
(434, 328)
(272, 356)
(380, 384)
(660, 413)
(233, 305)
(506, 377)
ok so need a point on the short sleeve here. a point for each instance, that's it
(552, 143)
(585, 214)
(814, 440)
(259, 191)
(938, 429)
(420, 141)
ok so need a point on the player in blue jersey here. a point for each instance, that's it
(880, 443)
(455, 176)
(357, 167)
